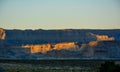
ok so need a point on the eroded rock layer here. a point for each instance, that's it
(69, 43)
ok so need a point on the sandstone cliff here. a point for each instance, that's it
(2, 34)
(38, 48)
(36, 44)
(86, 49)
(43, 48)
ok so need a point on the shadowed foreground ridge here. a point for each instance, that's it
(60, 44)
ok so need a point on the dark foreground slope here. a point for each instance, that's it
(59, 66)
(50, 65)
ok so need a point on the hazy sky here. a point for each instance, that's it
(60, 14)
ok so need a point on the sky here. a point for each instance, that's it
(60, 14)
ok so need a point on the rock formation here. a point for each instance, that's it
(2, 34)
(38, 48)
(48, 47)
(69, 43)
(65, 46)
(103, 37)
(2, 37)
(86, 49)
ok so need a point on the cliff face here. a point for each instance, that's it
(2, 34)
(66, 46)
(38, 48)
(21, 37)
(49, 47)
(72, 48)
(35, 44)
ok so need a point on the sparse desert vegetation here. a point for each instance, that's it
(58, 66)
(50, 66)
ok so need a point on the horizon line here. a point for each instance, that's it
(63, 29)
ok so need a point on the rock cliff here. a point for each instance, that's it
(69, 43)
(21, 37)
(38, 48)
(49, 47)
(2, 34)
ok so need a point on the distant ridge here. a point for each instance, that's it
(41, 36)
(61, 29)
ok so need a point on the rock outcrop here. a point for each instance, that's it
(38, 48)
(99, 38)
(43, 48)
(2, 34)
(66, 46)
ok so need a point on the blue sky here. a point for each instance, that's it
(60, 14)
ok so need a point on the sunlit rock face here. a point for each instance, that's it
(38, 48)
(93, 43)
(2, 34)
(2, 37)
(48, 47)
(65, 45)
(99, 38)
(104, 38)
(88, 50)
